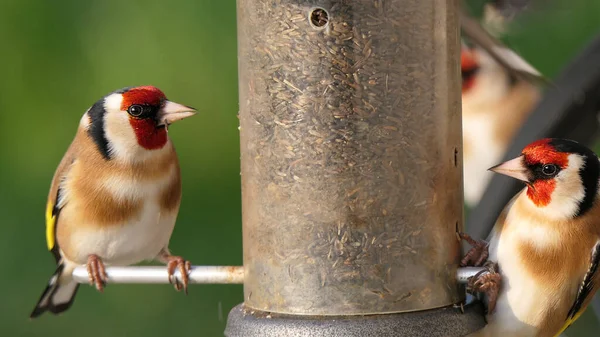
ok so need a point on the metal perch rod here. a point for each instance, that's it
(199, 274)
(158, 274)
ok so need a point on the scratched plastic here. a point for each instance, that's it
(351, 155)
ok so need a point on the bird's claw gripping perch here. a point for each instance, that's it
(487, 281)
(96, 272)
(184, 266)
(477, 255)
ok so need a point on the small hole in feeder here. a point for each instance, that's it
(319, 17)
(455, 157)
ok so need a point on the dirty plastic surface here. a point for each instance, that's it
(351, 155)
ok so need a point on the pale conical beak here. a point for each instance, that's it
(513, 168)
(172, 112)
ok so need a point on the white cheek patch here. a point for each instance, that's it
(568, 192)
(113, 102)
(122, 141)
(85, 120)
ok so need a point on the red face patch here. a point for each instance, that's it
(148, 134)
(467, 64)
(467, 59)
(540, 192)
(539, 153)
(144, 95)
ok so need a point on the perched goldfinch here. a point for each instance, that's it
(115, 195)
(545, 244)
(494, 106)
(499, 91)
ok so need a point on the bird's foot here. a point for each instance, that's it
(184, 266)
(477, 255)
(96, 272)
(488, 282)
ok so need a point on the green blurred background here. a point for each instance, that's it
(58, 57)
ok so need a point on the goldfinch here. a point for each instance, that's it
(494, 106)
(115, 195)
(545, 243)
(499, 91)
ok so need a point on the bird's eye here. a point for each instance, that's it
(135, 110)
(549, 169)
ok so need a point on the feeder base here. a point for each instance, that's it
(443, 322)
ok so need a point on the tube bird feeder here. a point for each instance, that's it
(351, 166)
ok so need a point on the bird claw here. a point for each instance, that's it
(487, 281)
(184, 267)
(477, 255)
(96, 272)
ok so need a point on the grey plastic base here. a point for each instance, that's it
(444, 322)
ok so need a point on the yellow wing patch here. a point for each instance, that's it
(50, 223)
(569, 322)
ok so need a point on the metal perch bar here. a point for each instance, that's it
(158, 275)
(463, 274)
(200, 274)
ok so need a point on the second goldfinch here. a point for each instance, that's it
(545, 245)
(115, 195)
(494, 106)
(499, 91)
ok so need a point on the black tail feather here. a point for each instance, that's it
(48, 300)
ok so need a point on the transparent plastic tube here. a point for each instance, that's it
(351, 155)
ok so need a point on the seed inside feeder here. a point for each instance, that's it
(351, 188)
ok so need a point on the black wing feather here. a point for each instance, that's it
(588, 283)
